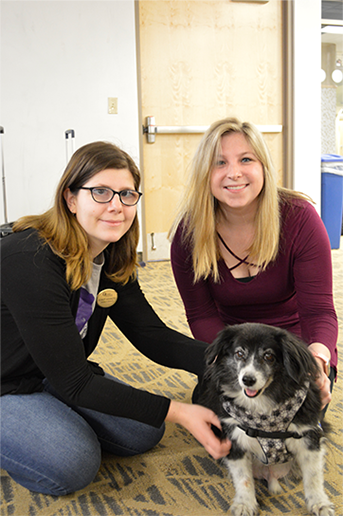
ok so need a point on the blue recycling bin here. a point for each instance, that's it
(332, 196)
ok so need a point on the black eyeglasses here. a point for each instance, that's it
(103, 195)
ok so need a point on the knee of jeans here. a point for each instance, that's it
(158, 436)
(61, 477)
(75, 470)
(79, 470)
(147, 442)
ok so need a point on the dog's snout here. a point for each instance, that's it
(249, 380)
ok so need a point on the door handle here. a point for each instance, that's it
(151, 129)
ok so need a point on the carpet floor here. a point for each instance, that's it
(177, 477)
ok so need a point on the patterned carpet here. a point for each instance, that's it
(177, 478)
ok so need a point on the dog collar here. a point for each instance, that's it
(269, 430)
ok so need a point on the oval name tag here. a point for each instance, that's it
(107, 297)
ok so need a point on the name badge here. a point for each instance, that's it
(107, 297)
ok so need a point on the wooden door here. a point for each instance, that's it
(200, 61)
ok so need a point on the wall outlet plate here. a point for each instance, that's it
(112, 105)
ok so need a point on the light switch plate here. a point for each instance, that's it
(112, 105)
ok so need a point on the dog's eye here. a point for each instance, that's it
(240, 354)
(269, 357)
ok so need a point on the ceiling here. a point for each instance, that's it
(333, 10)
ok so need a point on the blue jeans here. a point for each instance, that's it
(51, 448)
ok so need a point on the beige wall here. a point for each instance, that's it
(202, 61)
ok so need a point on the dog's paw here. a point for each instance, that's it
(274, 486)
(242, 509)
(322, 509)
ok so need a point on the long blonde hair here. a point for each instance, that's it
(198, 208)
(59, 228)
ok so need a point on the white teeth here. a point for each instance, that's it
(235, 187)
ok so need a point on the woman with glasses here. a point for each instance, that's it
(63, 273)
(245, 250)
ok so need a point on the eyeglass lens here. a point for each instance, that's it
(127, 197)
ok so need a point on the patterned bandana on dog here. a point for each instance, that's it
(274, 448)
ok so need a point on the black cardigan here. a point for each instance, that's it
(40, 339)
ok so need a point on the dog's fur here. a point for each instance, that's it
(259, 367)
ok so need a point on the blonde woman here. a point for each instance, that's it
(63, 273)
(245, 250)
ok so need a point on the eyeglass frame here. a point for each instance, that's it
(114, 192)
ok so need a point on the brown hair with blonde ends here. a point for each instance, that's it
(198, 209)
(59, 228)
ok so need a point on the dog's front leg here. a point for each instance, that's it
(311, 463)
(244, 503)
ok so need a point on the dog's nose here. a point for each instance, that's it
(249, 380)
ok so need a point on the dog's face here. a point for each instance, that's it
(249, 360)
(255, 365)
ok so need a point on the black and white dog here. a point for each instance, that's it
(260, 381)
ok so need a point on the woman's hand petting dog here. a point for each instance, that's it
(322, 379)
(324, 384)
(198, 421)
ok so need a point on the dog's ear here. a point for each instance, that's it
(212, 353)
(220, 345)
(298, 361)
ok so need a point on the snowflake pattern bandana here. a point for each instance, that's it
(274, 449)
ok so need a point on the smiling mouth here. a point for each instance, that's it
(113, 222)
(251, 393)
(238, 187)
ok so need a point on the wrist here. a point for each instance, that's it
(324, 360)
(173, 414)
(322, 355)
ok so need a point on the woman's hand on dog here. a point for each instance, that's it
(324, 385)
(322, 379)
(198, 420)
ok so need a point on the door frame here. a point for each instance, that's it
(144, 255)
(302, 97)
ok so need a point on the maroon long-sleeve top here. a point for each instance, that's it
(294, 292)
